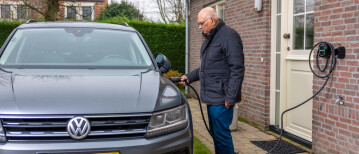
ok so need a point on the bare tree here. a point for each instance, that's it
(172, 11)
(178, 10)
(49, 10)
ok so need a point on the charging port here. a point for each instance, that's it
(324, 50)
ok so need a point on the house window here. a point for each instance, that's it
(86, 13)
(71, 12)
(21, 12)
(219, 7)
(5, 11)
(79, 10)
(303, 16)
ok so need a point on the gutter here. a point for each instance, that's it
(187, 39)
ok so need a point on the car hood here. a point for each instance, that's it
(78, 92)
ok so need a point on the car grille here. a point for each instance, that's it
(54, 127)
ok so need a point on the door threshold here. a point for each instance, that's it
(292, 137)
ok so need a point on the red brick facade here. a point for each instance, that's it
(336, 128)
(255, 31)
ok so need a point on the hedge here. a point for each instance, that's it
(161, 38)
(6, 28)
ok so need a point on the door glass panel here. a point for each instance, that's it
(278, 33)
(298, 42)
(299, 6)
(277, 62)
(279, 3)
(309, 5)
(277, 82)
(303, 25)
(309, 31)
(277, 108)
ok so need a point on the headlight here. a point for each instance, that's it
(2, 133)
(168, 121)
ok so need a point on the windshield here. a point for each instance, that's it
(84, 47)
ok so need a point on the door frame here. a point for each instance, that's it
(284, 28)
(285, 57)
(273, 62)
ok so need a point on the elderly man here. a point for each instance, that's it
(221, 74)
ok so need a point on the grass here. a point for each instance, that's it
(184, 93)
(250, 123)
(199, 147)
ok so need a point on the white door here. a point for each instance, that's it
(296, 20)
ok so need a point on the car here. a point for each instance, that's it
(86, 87)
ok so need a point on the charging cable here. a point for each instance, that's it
(178, 79)
(327, 47)
(326, 50)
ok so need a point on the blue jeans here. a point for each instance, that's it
(220, 118)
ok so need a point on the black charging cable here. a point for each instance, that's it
(327, 76)
(178, 79)
(333, 60)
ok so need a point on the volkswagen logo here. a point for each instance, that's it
(78, 128)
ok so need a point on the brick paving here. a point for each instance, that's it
(241, 137)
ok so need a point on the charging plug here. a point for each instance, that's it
(175, 79)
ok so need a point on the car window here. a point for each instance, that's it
(75, 47)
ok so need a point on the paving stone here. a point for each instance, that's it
(241, 138)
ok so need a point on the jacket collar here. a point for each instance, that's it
(214, 30)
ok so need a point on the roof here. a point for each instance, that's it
(75, 25)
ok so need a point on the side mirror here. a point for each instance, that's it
(162, 62)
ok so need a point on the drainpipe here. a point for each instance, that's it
(187, 15)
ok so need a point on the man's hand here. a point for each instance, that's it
(183, 79)
(227, 104)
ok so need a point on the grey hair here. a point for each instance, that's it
(214, 15)
(211, 12)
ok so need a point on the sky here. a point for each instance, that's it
(148, 7)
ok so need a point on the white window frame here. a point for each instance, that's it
(79, 9)
(26, 10)
(216, 7)
(82, 13)
(13, 9)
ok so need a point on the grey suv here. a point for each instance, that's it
(88, 88)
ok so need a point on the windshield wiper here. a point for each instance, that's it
(4, 70)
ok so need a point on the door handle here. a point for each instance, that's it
(286, 35)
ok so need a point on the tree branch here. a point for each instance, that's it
(32, 7)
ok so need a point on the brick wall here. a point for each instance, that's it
(100, 6)
(254, 29)
(336, 128)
